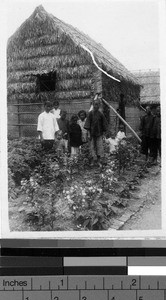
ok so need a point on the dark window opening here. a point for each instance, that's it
(46, 82)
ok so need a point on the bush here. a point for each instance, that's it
(55, 189)
(125, 155)
(23, 156)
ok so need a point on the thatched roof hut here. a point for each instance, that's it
(150, 86)
(45, 60)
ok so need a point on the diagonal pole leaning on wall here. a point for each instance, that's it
(124, 122)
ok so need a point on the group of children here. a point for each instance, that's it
(54, 128)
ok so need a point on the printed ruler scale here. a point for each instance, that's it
(83, 287)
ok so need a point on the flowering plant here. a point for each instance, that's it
(89, 208)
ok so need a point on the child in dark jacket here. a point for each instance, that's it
(97, 125)
(63, 124)
(75, 136)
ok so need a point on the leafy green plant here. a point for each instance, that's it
(12, 194)
(23, 156)
(56, 189)
(39, 207)
(125, 155)
(88, 207)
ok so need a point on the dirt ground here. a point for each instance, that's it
(149, 215)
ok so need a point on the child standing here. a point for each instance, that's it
(47, 127)
(96, 124)
(60, 144)
(121, 134)
(75, 134)
(120, 138)
(56, 110)
(81, 122)
(63, 124)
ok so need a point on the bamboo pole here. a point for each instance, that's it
(129, 127)
(142, 108)
(93, 59)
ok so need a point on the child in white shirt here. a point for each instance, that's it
(47, 127)
(113, 143)
(56, 110)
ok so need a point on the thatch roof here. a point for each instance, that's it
(39, 32)
(150, 82)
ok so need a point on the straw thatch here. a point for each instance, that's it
(150, 82)
(45, 45)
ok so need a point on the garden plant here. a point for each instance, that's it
(63, 193)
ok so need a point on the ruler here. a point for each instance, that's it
(83, 287)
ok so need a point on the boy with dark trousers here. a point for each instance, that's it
(97, 125)
(47, 127)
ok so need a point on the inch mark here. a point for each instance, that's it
(67, 282)
(103, 283)
(22, 294)
(85, 285)
(158, 285)
(121, 285)
(140, 282)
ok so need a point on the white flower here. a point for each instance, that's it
(89, 182)
(68, 197)
(83, 193)
(71, 201)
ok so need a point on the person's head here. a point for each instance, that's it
(82, 115)
(148, 110)
(74, 119)
(56, 104)
(59, 135)
(47, 106)
(96, 105)
(121, 127)
(158, 111)
(63, 114)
